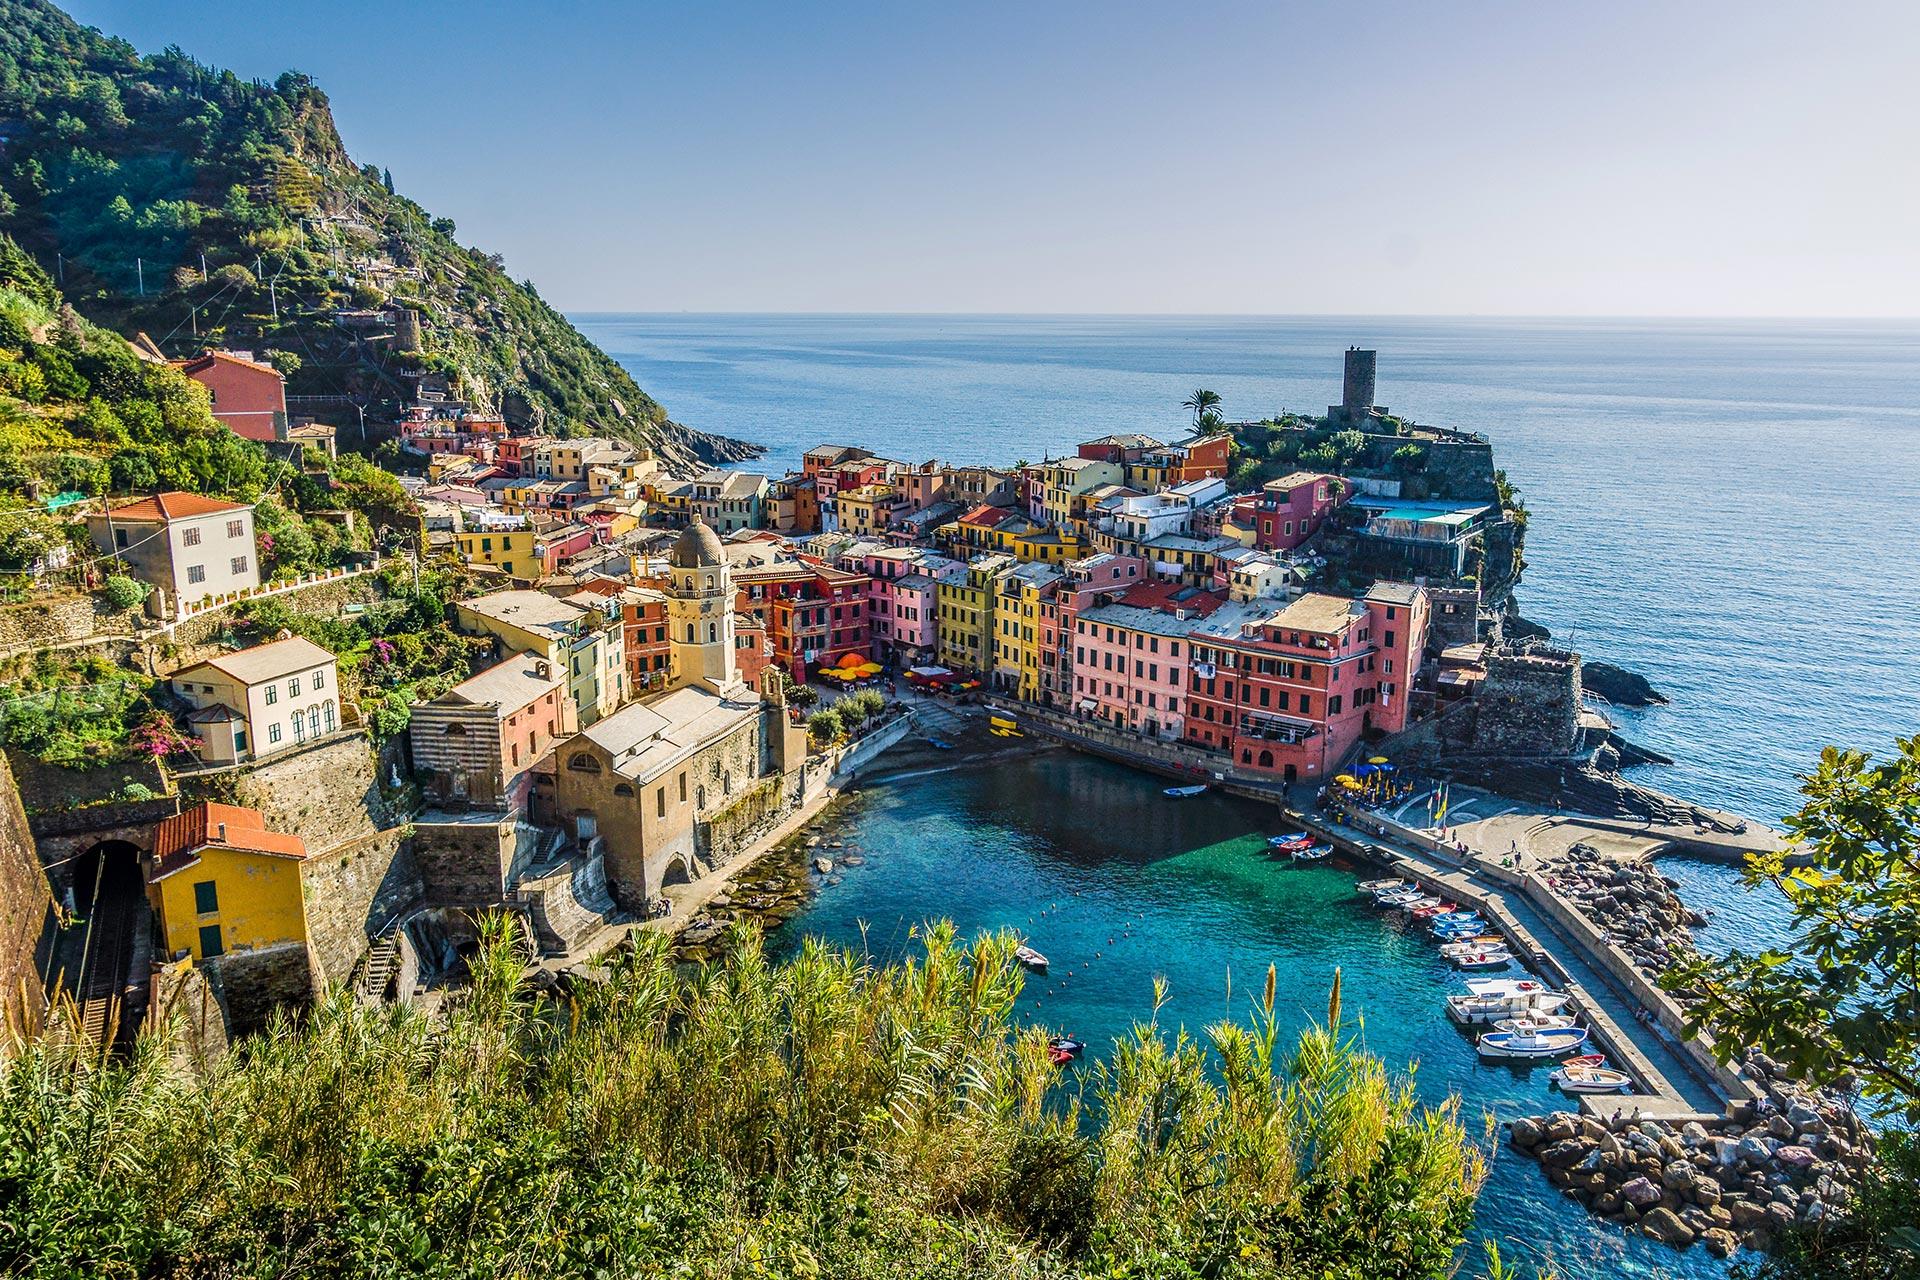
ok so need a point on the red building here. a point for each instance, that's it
(248, 396)
(813, 613)
(1292, 695)
(1205, 456)
(1288, 511)
(643, 617)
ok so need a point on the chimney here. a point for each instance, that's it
(222, 833)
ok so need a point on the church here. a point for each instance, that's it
(667, 787)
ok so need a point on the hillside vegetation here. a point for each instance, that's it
(823, 1117)
(180, 200)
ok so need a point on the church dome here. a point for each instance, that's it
(697, 547)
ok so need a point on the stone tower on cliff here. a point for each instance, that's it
(700, 610)
(1356, 407)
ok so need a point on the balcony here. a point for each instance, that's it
(1268, 727)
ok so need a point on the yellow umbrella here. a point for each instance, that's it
(868, 668)
(1378, 760)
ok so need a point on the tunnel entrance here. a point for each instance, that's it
(101, 960)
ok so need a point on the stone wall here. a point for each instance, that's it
(204, 636)
(182, 1001)
(50, 788)
(467, 864)
(354, 891)
(1527, 709)
(251, 984)
(736, 827)
(63, 619)
(1456, 615)
(24, 898)
(325, 794)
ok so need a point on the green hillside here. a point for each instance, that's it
(179, 200)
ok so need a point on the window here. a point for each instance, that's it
(273, 732)
(119, 537)
(622, 789)
(236, 529)
(189, 537)
(273, 694)
(327, 707)
(293, 687)
(238, 565)
(320, 679)
(1389, 639)
(455, 731)
(683, 788)
(196, 573)
(581, 762)
(206, 898)
(210, 942)
(660, 802)
(1333, 705)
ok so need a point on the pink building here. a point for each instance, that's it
(478, 741)
(901, 605)
(1130, 658)
(1288, 511)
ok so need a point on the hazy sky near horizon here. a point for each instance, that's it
(1398, 157)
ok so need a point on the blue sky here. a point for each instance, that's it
(1449, 157)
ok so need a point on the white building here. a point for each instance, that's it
(251, 704)
(185, 545)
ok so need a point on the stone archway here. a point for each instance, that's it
(675, 872)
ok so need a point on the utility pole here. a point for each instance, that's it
(273, 292)
(140, 267)
(203, 266)
(60, 265)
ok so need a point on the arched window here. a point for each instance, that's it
(455, 731)
(713, 632)
(1266, 759)
(583, 763)
(710, 582)
(327, 707)
(622, 789)
(700, 797)
(691, 634)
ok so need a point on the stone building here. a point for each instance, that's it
(645, 786)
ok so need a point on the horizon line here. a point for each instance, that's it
(1256, 315)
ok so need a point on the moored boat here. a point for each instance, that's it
(1505, 986)
(1438, 909)
(1311, 854)
(1181, 793)
(1467, 946)
(1377, 887)
(1472, 1010)
(1592, 1080)
(1537, 1022)
(1494, 958)
(1298, 838)
(1531, 1044)
(1030, 958)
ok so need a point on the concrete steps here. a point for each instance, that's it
(377, 970)
(570, 905)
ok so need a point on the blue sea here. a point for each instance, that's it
(1724, 507)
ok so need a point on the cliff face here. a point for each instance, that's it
(23, 911)
(177, 199)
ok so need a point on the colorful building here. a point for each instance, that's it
(253, 703)
(966, 622)
(1130, 657)
(584, 642)
(1021, 651)
(478, 741)
(221, 882)
(1288, 511)
(247, 395)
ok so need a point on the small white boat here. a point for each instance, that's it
(1535, 1022)
(1414, 904)
(1387, 901)
(1592, 1080)
(1030, 959)
(1531, 1044)
(1505, 986)
(1181, 793)
(1480, 1010)
(1378, 887)
(1467, 946)
(1314, 854)
(1494, 958)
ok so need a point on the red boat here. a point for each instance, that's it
(1437, 909)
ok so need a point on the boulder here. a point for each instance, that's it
(1567, 1152)
(1641, 1193)
(1780, 1127)
(1754, 1149)
(1795, 1157)
(1665, 1226)
(1525, 1133)
(1747, 1215)
(1720, 1242)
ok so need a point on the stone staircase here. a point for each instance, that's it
(377, 971)
(569, 903)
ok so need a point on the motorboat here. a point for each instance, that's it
(1457, 930)
(1300, 838)
(1313, 854)
(1466, 946)
(1592, 1080)
(1538, 1022)
(1394, 897)
(1505, 987)
(1531, 1044)
(1377, 887)
(1061, 1050)
(1470, 1010)
(1438, 909)
(1491, 959)
(1030, 958)
(1182, 793)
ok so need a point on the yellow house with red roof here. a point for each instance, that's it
(220, 881)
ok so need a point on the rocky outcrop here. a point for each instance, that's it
(1635, 906)
(1738, 1185)
(1621, 687)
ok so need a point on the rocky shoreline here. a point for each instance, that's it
(777, 886)
(1793, 1158)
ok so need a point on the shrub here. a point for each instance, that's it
(123, 592)
(824, 725)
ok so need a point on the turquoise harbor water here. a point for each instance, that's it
(1727, 507)
(1119, 886)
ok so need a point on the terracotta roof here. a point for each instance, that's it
(174, 506)
(190, 366)
(178, 841)
(985, 516)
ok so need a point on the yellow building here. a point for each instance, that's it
(220, 881)
(967, 605)
(512, 551)
(999, 531)
(1017, 635)
(1065, 479)
(869, 510)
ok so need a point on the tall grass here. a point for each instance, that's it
(825, 1116)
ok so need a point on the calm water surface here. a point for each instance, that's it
(1118, 886)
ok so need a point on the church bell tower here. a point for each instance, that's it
(700, 610)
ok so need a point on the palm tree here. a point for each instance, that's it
(1201, 402)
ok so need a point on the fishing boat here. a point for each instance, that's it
(1457, 930)
(1592, 1080)
(1182, 793)
(1298, 838)
(1470, 1010)
(1067, 1045)
(1505, 987)
(1467, 946)
(1539, 1022)
(1531, 1044)
(1586, 1060)
(1378, 887)
(1312, 854)
(939, 744)
(1394, 897)
(1030, 958)
(1492, 959)
(1440, 909)
(1412, 905)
